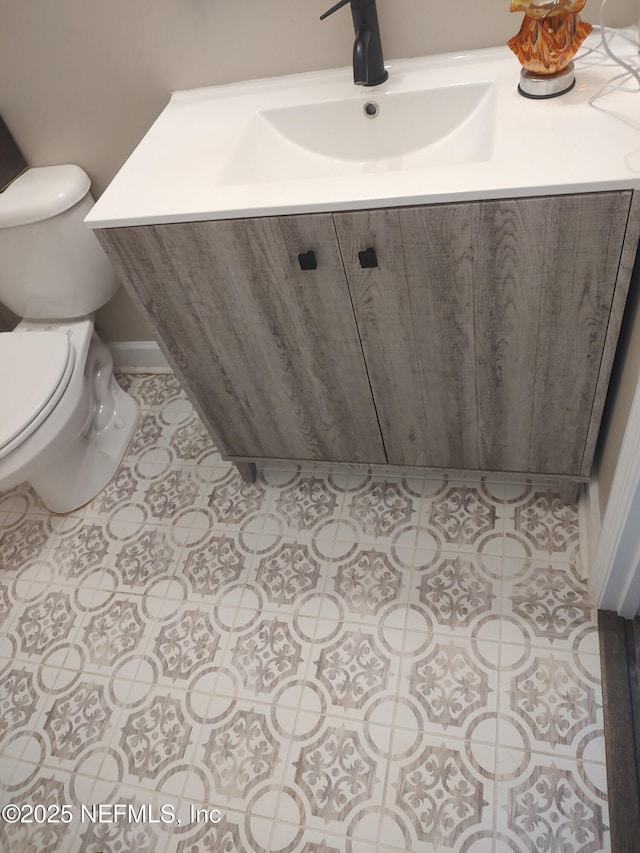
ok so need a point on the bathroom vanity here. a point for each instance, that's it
(455, 305)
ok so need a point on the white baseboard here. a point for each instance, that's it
(138, 357)
(590, 523)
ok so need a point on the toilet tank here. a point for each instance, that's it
(51, 264)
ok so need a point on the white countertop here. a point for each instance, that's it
(558, 145)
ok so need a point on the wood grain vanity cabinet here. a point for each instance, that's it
(471, 336)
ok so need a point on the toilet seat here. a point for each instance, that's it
(35, 368)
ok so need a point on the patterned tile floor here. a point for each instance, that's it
(320, 662)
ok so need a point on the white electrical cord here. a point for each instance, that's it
(603, 50)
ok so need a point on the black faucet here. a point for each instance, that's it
(368, 63)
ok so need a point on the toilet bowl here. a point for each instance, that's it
(65, 423)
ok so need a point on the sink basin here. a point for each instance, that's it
(368, 132)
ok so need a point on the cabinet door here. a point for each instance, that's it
(270, 353)
(498, 312)
(415, 317)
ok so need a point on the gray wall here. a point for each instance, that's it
(624, 381)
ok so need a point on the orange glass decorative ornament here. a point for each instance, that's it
(549, 38)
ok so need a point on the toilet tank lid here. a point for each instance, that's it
(41, 193)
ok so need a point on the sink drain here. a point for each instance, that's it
(371, 109)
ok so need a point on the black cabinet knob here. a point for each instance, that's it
(368, 259)
(307, 260)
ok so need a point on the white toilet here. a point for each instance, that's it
(64, 421)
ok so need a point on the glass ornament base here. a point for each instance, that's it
(534, 85)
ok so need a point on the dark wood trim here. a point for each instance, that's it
(619, 655)
(633, 657)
